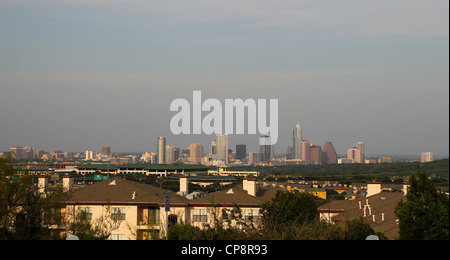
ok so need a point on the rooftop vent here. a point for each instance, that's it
(113, 182)
(230, 191)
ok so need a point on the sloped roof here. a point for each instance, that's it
(384, 202)
(235, 196)
(120, 191)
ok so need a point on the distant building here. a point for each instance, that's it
(196, 153)
(106, 150)
(222, 148)
(289, 153)
(241, 151)
(354, 155)
(316, 154)
(266, 150)
(362, 149)
(427, 157)
(297, 142)
(90, 155)
(385, 160)
(161, 150)
(170, 154)
(306, 151)
(329, 155)
(254, 158)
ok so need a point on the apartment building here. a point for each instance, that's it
(137, 211)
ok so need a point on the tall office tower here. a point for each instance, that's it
(266, 150)
(176, 154)
(306, 150)
(222, 148)
(329, 155)
(213, 148)
(316, 154)
(297, 142)
(196, 153)
(16, 152)
(161, 150)
(427, 157)
(361, 146)
(354, 155)
(289, 153)
(89, 155)
(170, 154)
(241, 151)
(253, 158)
(106, 150)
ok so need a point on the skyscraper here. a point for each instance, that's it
(306, 150)
(161, 150)
(241, 151)
(316, 154)
(362, 148)
(196, 153)
(106, 150)
(297, 142)
(222, 147)
(354, 155)
(170, 154)
(266, 150)
(329, 153)
(427, 157)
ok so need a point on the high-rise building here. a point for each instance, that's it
(427, 157)
(253, 158)
(289, 153)
(196, 153)
(329, 155)
(90, 156)
(306, 150)
(266, 149)
(362, 149)
(297, 142)
(354, 155)
(170, 154)
(161, 150)
(316, 154)
(106, 150)
(213, 147)
(222, 147)
(241, 151)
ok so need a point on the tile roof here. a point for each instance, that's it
(383, 202)
(235, 195)
(120, 191)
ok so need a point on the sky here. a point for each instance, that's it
(76, 75)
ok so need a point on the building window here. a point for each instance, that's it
(117, 237)
(200, 215)
(153, 216)
(251, 215)
(118, 213)
(85, 213)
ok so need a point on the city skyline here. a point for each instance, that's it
(77, 75)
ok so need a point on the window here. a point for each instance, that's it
(251, 215)
(200, 215)
(85, 212)
(153, 216)
(118, 213)
(117, 237)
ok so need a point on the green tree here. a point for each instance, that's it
(425, 213)
(288, 209)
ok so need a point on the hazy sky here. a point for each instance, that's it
(79, 74)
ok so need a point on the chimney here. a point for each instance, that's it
(373, 216)
(405, 188)
(183, 186)
(67, 183)
(250, 186)
(382, 216)
(373, 188)
(43, 184)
